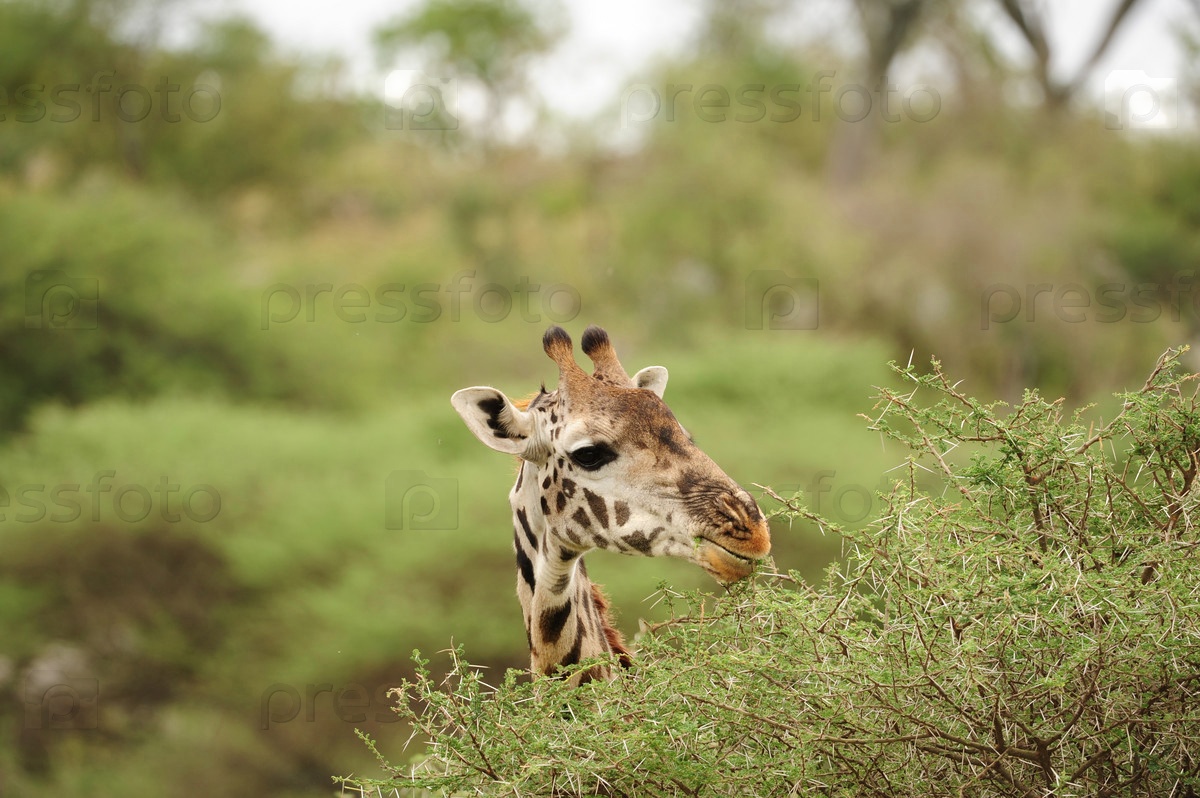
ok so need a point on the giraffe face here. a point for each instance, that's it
(624, 475)
(615, 470)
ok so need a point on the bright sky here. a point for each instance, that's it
(610, 41)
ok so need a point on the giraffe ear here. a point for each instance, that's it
(653, 378)
(494, 419)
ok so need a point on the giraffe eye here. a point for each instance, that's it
(590, 458)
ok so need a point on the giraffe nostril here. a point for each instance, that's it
(750, 508)
(739, 516)
(740, 508)
(742, 523)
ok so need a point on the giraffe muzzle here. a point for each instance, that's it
(725, 565)
(742, 537)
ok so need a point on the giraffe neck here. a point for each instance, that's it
(565, 614)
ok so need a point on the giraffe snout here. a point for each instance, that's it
(744, 528)
(741, 538)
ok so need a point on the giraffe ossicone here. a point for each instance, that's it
(604, 464)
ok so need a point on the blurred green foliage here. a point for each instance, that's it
(208, 117)
(154, 303)
(265, 302)
(487, 40)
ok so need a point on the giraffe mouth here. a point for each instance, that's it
(735, 555)
(725, 565)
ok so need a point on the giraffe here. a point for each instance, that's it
(604, 464)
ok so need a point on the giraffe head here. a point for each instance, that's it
(613, 467)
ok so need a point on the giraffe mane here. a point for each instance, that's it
(616, 641)
(531, 399)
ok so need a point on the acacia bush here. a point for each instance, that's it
(1034, 630)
